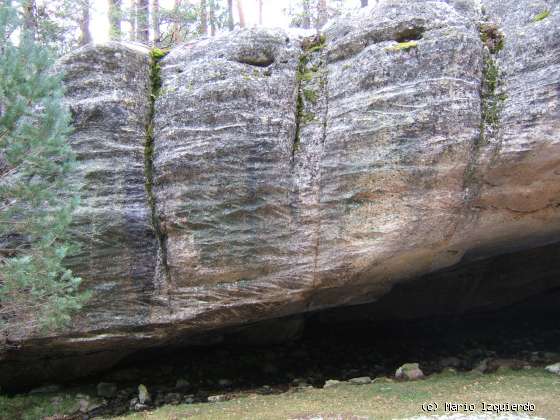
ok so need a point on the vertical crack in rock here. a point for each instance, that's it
(491, 104)
(299, 105)
(311, 126)
(155, 86)
(310, 85)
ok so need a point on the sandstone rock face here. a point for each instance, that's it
(107, 89)
(224, 128)
(291, 174)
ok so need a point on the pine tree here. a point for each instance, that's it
(36, 198)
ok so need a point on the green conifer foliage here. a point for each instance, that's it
(36, 197)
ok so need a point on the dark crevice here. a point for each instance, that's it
(410, 34)
(155, 86)
(256, 57)
(306, 76)
(491, 105)
(264, 62)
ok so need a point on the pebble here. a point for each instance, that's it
(555, 368)
(362, 380)
(217, 398)
(409, 372)
(331, 382)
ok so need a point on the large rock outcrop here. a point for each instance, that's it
(288, 174)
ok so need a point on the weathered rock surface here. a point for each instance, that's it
(107, 90)
(289, 176)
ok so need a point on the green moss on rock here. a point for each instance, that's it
(310, 95)
(403, 46)
(541, 16)
(492, 37)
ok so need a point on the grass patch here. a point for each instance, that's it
(382, 400)
(542, 15)
(34, 407)
(403, 46)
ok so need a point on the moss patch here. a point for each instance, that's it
(542, 15)
(403, 46)
(314, 43)
(492, 102)
(492, 37)
(156, 55)
(310, 95)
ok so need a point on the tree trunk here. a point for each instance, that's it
(241, 14)
(85, 33)
(212, 16)
(115, 13)
(260, 2)
(230, 14)
(203, 30)
(143, 13)
(322, 13)
(156, 32)
(364, 3)
(176, 36)
(306, 15)
(134, 35)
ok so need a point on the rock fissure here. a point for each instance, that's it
(299, 105)
(491, 105)
(324, 91)
(155, 87)
(308, 72)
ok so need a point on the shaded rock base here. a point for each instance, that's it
(483, 306)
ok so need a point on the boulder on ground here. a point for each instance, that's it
(409, 372)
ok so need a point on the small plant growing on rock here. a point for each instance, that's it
(492, 37)
(541, 16)
(403, 46)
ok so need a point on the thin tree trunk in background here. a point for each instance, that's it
(260, 3)
(240, 13)
(230, 14)
(203, 30)
(156, 32)
(85, 33)
(143, 19)
(134, 35)
(322, 13)
(364, 3)
(115, 13)
(306, 15)
(176, 29)
(212, 16)
(30, 17)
